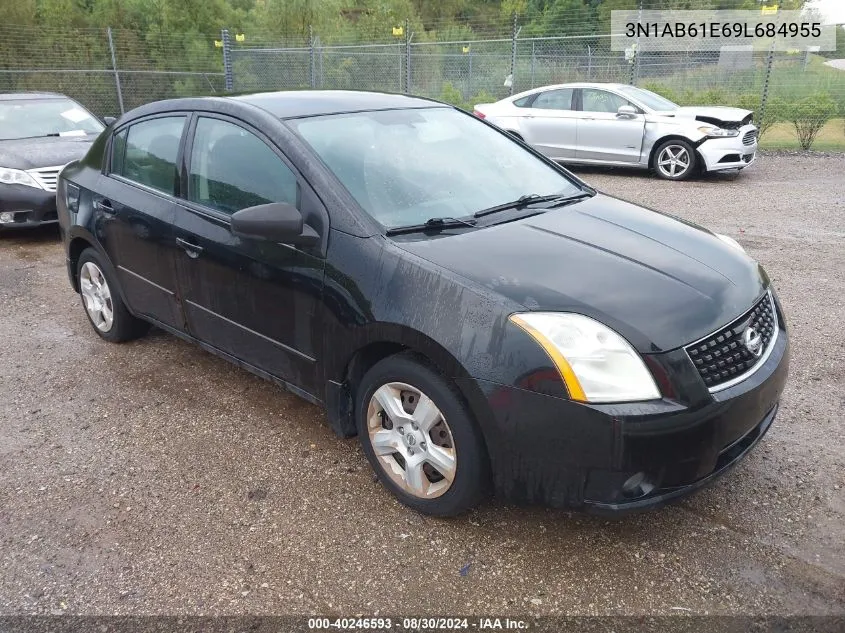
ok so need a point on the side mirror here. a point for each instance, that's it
(108, 120)
(626, 112)
(274, 222)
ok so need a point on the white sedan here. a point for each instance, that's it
(622, 125)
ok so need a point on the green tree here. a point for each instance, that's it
(809, 115)
(567, 17)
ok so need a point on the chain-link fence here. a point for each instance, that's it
(796, 95)
(109, 71)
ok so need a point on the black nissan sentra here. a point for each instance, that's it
(478, 316)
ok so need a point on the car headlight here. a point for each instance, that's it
(10, 176)
(729, 240)
(717, 132)
(595, 363)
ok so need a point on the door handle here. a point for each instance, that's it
(105, 206)
(192, 250)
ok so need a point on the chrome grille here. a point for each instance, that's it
(723, 359)
(47, 177)
(749, 137)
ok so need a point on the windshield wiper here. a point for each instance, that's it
(22, 138)
(432, 224)
(564, 200)
(519, 203)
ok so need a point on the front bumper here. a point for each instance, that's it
(721, 154)
(561, 453)
(29, 206)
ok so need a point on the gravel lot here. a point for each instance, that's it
(153, 477)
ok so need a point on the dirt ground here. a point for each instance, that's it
(154, 478)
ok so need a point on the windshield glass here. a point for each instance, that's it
(23, 118)
(406, 166)
(648, 98)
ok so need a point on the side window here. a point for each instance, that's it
(523, 102)
(601, 101)
(554, 100)
(146, 152)
(232, 169)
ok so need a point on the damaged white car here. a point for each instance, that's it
(622, 125)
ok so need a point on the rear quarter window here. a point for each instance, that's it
(146, 152)
(118, 152)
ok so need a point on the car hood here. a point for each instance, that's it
(716, 115)
(30, 153)
(657, 280)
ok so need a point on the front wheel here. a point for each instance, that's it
(675, 160)
(420, 438)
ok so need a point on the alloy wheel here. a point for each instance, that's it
(674, 161)
(411, 439)
(96, 295)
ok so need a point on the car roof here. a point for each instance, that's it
(15, 96)
(303, 103)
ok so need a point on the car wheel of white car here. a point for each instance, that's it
(675, 160)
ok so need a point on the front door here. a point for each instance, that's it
(550, 124)
(255, 300)
(604, 134)
(135, 205)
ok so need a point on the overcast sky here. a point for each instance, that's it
(832, 10)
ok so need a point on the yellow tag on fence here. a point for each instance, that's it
(218, 43)
(398, 30)
(769, 10)
(240, 37)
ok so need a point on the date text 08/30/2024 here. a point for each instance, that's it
(417, 624)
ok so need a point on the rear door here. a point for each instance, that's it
(255, 300)
(550, 123)
(604, 134)
(135, 202)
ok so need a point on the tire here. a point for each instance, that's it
(450, 472)
(667, 160)
(102, 302)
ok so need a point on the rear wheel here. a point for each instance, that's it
(419, 437)
(100, 298)
(675, 160)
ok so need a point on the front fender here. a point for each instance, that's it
(665, 127)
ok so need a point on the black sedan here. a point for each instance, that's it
(477, 315)
(40, 132)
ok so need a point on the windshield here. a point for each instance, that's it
(407, 166)
(24, 118)
(648, 98)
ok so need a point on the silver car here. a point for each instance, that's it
(618, 124)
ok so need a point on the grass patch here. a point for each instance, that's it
(782, 136)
